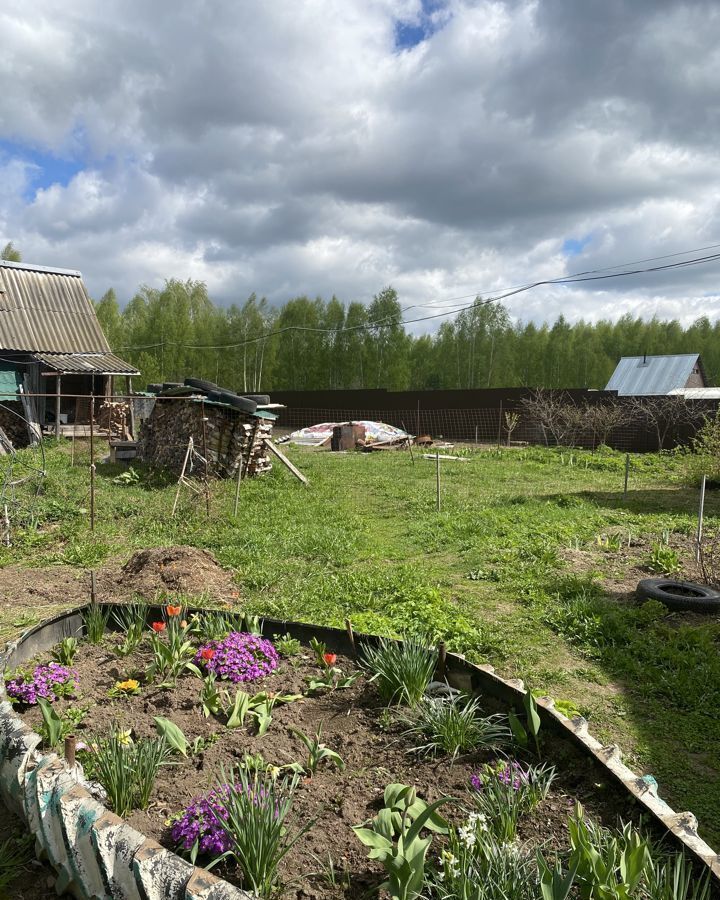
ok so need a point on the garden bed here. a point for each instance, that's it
(120, 694)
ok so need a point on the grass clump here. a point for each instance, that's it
(95, 619)
(127, 769)
(504, 791)
(453, 725)
(401, 670)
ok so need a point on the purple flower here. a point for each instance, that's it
(46, 681)
(239, 657)
(507, 772)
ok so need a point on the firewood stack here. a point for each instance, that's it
(233, 438)
(114, 416)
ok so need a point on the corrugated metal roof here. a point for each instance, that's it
(48, 311)
(705, 393)
(644, 375)
(86, 363)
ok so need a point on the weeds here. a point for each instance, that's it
(663, 560)
(95, 618)
(317, 751)
(452, 726)
(127, 770)
(401, 671)
(506, 790)
(16, 853)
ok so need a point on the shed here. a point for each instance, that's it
(51, 342)
(643, 376)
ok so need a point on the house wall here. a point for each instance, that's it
(695, 380)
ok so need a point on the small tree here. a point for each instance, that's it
(603, 418)
(512, 420)
(10, 254)
(664, 415)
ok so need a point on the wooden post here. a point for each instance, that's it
(442, 661)
(92, 462)
(70, 748)
(93, 597)
(500, 414)
(57, 406)
(131, 417)
(627, 475)
(701, 514)
(351, 636)
(409, 439)
(417, 434)
(205, 456)
(237, 488)
(437, 477)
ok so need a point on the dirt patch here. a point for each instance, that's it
(355, 724)
(179, 570)
(34, 880)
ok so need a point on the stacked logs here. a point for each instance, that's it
(229, 439)
(113, 416)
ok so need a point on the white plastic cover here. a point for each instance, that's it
(375, 432)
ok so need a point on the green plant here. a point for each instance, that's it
(400, 670)
(338, 879)
(555, 884)
(286, 645)
(65, 651)
(394, 839)
(210, 698)
(674, 879)
(317, 751)
(453, 725)
(127, 769)
(131, 619)
(319, 648)
(173, 656)
(16, 853)
(172, 735)
(95, 619)
(522, 734)
(331, 679)
(55, 728)
(213, 625)
(251, 624)
(257, 807)
(663, 560)
(129, 476)
(505, 790)
(607, 866)
(259, 705)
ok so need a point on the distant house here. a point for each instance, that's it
(642, 376)
(51, 343)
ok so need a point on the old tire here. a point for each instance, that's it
(681, 595)
(154, 388)
(241, 403)
(260, 399)
(201, 385)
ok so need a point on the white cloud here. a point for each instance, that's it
(289, 148)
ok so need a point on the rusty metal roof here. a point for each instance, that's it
(86, 363)
(47, 310)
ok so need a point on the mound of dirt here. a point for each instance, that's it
(178, 570)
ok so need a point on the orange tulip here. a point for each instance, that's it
(173, 610)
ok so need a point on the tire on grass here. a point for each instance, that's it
(685, 596)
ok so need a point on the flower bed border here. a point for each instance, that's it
(96, 855)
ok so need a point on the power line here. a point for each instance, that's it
(577, 278)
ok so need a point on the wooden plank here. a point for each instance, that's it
(268, 444)
(444, 456)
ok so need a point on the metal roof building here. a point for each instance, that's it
(51, 342)
(647, 375)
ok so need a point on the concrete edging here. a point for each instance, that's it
(96, 855)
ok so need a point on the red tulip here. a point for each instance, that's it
(157, 627)
(207, 653)
(330, 658)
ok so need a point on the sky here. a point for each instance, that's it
(445, 147)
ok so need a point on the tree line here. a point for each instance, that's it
(316, 344)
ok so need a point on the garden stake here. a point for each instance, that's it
(442, 661)
(627, 472)
(701, 513)
(93, 599)
(351, 636)
(237, 488)
(205, 456)
(92, 463)
(409, 443)
(437, 477)
(70, 746)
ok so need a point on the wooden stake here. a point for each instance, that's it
(701, 514)
(237, 488)
(442, 661)
(284, 460)
(181, 479)
(93, 598)
(92, 463)
(437, 478)
(627, 474)
(205, 456)
(351, 636)
(412, 457)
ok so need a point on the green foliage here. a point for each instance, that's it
(317, 751)
(506, 790)
(210, 697)
(131, 619)
(531, 729)
(52, 727)
(257, 807)
(453, 725)
(172, 655)
(172, 735)
(400, 670)
(394, 839)
(65, 651)
(674, 879)
(127, 770)
(16, 854)
(95, 619)
(286, 646)
(663, 560)
(10, 253)
(212, 625)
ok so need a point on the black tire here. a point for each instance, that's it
(260, 399)
(154, 388)
(215, 396)
(179, 391)
(203, 386)
(680, 595)
(169, 385)
(241, 403)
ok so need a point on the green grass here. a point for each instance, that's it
(521, 569)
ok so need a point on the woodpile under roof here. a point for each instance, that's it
(228, 438)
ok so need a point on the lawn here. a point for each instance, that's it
(530, 565)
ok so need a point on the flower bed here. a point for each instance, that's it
(307, 740)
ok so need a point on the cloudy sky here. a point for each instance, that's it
(446, 147)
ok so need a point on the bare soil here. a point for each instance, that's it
(354, 723)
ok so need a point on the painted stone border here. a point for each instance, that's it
(96, 855)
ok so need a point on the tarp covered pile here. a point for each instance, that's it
(375, 432)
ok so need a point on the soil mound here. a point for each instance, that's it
(181, 570)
